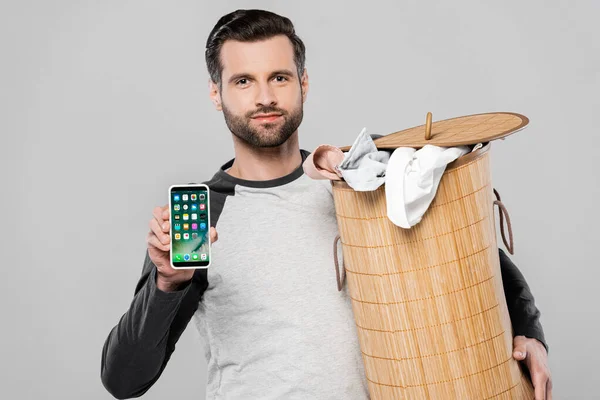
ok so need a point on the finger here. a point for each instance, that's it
(540, 380)
(164, 238)
(161, 213)
(153, 241)
(214, 236)
(159, 216)
(519, 351)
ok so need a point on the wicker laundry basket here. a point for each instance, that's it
(428, 302)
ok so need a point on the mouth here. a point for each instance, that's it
(266, 117)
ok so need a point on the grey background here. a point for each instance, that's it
(95, 95)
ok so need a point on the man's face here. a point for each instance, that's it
(261, 94)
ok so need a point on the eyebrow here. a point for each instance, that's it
(284, 72)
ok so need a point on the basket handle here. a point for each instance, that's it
(504, 213)
(339, 279)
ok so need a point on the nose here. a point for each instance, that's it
(266, 95)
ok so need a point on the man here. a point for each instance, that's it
(273, 322)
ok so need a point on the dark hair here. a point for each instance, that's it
(249, 26)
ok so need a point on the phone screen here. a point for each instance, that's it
(190, 226)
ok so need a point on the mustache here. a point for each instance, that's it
(266, 110)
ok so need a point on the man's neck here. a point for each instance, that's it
(265, 163)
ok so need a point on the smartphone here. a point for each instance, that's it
(190, 226)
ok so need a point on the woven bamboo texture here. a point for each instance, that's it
(428, 302)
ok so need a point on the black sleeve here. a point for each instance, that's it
(524, 314)
(139, 347)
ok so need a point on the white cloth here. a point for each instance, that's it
(412, 178)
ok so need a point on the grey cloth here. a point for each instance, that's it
(364, 166)
(272, 320)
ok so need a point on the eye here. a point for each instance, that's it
(280, 78)
(242, 82)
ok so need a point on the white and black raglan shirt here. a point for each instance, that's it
(273, 323)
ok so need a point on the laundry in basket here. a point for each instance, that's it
(412, 175)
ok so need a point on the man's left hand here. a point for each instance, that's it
(533, 353)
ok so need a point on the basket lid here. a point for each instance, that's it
(466, 130)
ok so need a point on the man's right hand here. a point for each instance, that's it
(159, 244)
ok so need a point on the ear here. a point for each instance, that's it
(214, 94)
(304, 84)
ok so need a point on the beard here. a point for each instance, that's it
(267, 134)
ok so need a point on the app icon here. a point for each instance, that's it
(194, 235)
(202, 196)
(186, 236)
(176, 207)
(177, 257)
(203, 216)
(202, 226)
(194, 256)
(194, 197)
(186, 227)
(184, 197)
(202, 206)
(194, 226)
(194, 207)
(176, 217)
(176, 197)
(177, 236)
(203, 256)
(186, 217)
(194, 216)
(177, 227)
(186, 257)
(185, 206)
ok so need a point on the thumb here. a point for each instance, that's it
(519, 351)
